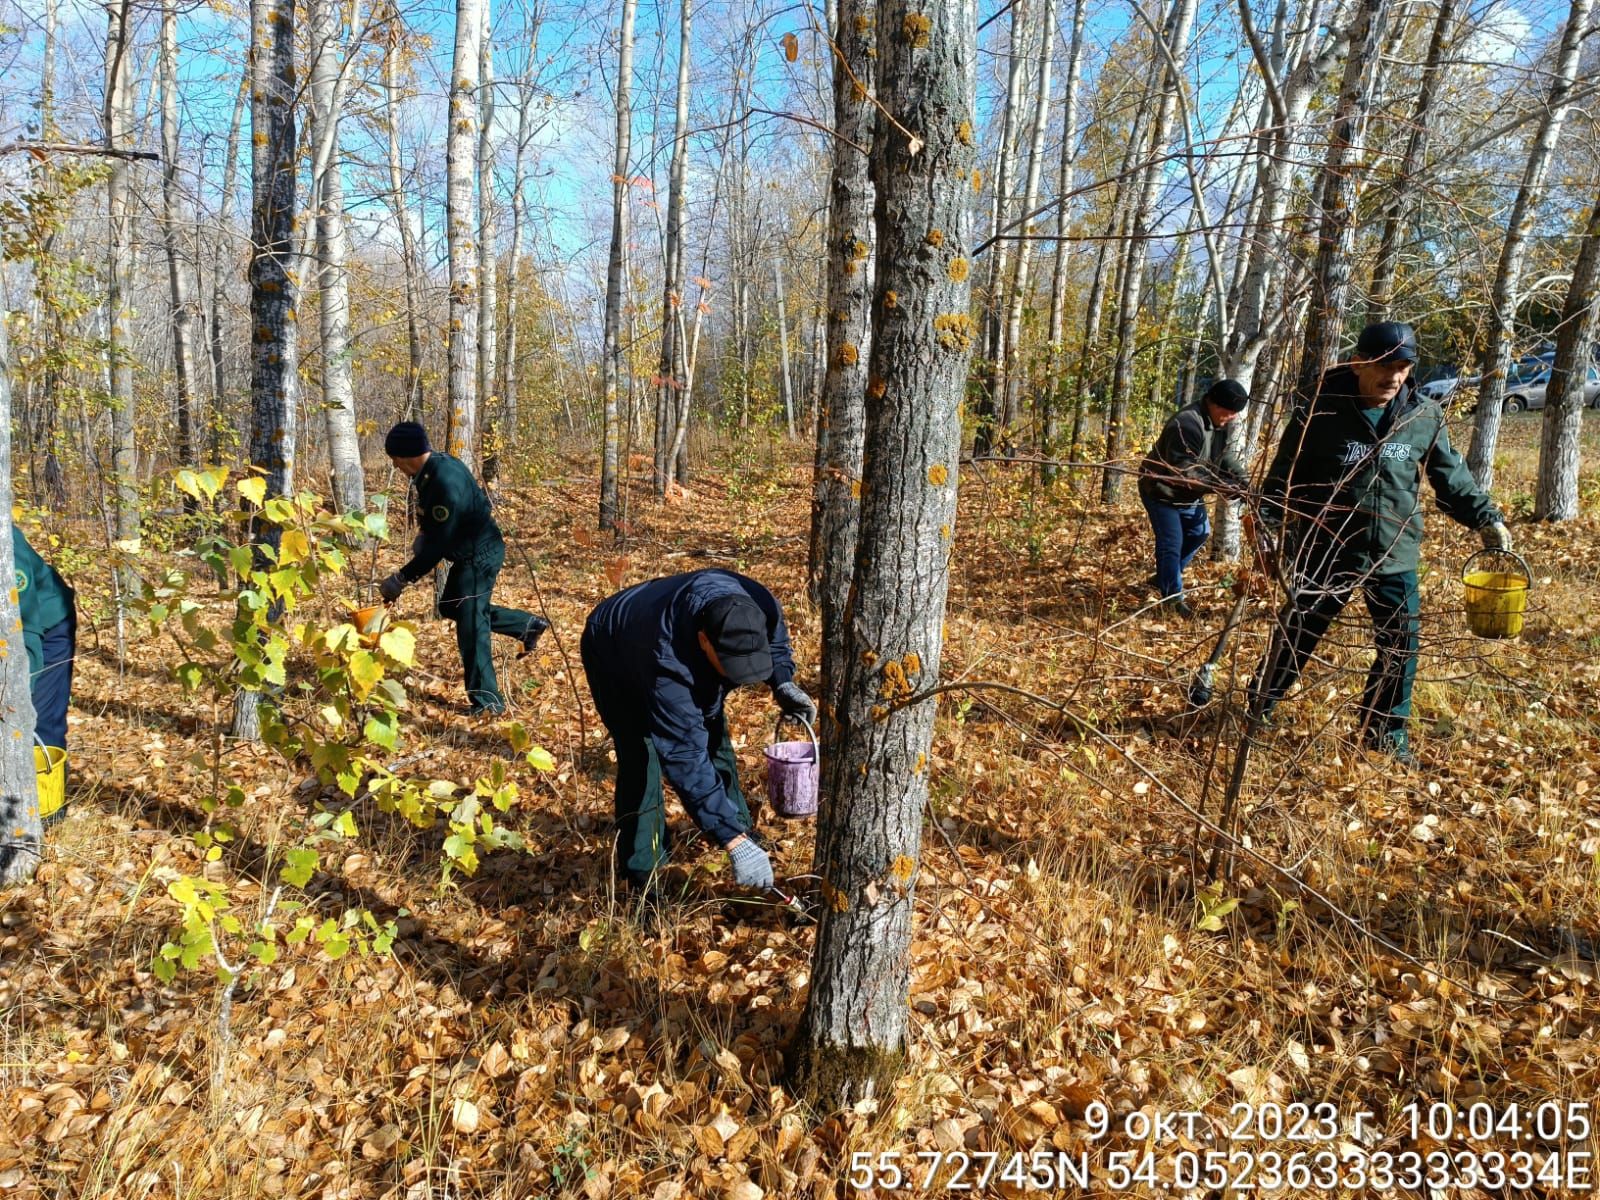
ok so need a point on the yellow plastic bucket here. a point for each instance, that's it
(50, 765)
(1496, 593)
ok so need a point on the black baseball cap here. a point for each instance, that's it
(1387, 340)
(737, 630)
(1228, 395)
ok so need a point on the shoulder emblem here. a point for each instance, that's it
(22, 580)
(441, 513)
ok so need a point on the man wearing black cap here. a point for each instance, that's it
(660, 658)
(1343, 492)
(456, 527)
(1188, 462)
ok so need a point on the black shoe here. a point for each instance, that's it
(487, 710)
(530, 639)
(1151, 583)
(1179, 607)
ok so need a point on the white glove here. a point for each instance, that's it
(751, 866)
(1496, 536)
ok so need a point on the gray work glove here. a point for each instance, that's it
(391, 587)
(794, 702)
(1496, 536)
(751, 866)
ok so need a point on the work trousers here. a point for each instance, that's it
(1393, 605)
(1180, 529)
(639, 801)
(468, 590)
(52, 686)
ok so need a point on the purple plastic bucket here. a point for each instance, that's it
(792, 775)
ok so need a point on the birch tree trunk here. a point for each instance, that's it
(118, 121)
(221, 260)
(1557, 495)
(1053, 390)
(851, 273)
(611, 351)
(669, 378)
(1336, 195)
(992, 365)
(461, 439)
(1399, 206)
(783, 342)
(488, 287)
(21, 833)
(274, 290)
(1013, 374)
(171, 222)
(1175, 34)
(1292, 70)
(851, 1041)
(409, 256)
(333, 248)
(1508, 277)
(510, 373)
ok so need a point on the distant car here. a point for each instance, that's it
(1443, 389)
(1525, 389)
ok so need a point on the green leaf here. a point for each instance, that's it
(399, 644)
(541, 759)
(298, 867)
(254, 490)
(365, 671)
(382, 729)
(346, 824)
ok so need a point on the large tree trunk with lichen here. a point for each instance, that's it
(274, 290)
(611, 349)
(461, 157)
(1513, 250)
(851, 1041)
(1557, 498)
(20, 831)
(841, 423)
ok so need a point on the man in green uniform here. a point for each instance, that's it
(1343, 494)
(453, 513)
(50, 633)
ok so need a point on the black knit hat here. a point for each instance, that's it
(1387, 341)
(1228, 395)
(406, 440)
(737, 630)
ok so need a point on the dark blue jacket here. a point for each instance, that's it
(644, 645)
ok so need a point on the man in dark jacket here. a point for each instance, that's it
(1343, 492)
(660, 658)
(1189, 462)
(50, 633)
(453, 513)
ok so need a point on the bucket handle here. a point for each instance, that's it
(1527, 572)
(816, 750)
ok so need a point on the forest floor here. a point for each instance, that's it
(1431, 935)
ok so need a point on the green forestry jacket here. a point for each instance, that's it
(1349, 491)
(1189, 460)
(453, 514)
(42, 595)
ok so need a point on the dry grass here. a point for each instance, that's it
(528, 1038)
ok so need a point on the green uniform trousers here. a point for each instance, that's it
(643, 843)
(466, 601)
(1393, 605)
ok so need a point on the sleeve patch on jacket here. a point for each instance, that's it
(441, 513)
